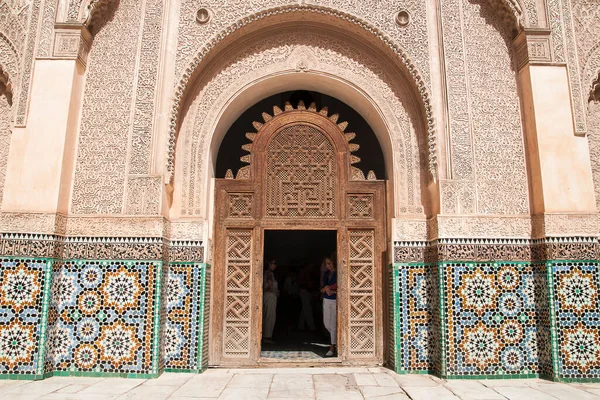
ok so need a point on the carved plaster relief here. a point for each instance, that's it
(22, 101)
(143, 195)
(191, 39)
(495, 110)
(483, 227)
(561, 225)
(9, 67)
(146, 196)
(532, 17)
(46, 38)
(532, 46)
(488, 161)
(5, 132)
(379, 13)
(586, 19)
(13, 22)
(565, 50)
(324, 55)
(594, 143)
(107, 115)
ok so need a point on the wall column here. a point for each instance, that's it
(560, 174)
(564, 224)
(41, 157)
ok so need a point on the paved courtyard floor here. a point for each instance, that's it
(294, 383)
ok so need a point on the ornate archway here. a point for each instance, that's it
(300, 177)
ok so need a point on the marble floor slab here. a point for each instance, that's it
(294, 383)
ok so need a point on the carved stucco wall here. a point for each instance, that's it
(487, 149)
(586, 20)
(380, 13)
(14, 15)
(5, 132)
(106, 118)
(594, 143)
(114, 152)
(319, 53)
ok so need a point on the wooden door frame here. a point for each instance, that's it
(254, 219)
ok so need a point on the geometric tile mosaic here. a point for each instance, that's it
(490, 325)
(544, 337)
(184, 313)
(103, 317)
(415, 309)
(576, 294)
(23, 285)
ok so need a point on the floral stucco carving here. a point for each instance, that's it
(320, 54)
(485, 131)
(106, 119)
(420, 76)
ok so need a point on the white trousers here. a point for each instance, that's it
(269, 313)
(330, 318)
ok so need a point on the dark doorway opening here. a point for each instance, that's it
(299, 332)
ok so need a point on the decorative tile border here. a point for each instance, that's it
(413, 284)
(100, 248)
(24, 284)
(551, 248)
(185, 316)
(575, 325)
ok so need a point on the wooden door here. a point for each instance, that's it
(300, 176)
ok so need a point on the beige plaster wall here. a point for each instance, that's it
(564, 159)
(35, 159)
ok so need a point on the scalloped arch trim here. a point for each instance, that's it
(182, 86)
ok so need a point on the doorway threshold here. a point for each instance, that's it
(296, 357)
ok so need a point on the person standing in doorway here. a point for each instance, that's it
(270, 294)
(329, 290)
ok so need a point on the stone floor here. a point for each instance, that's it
(294, 383)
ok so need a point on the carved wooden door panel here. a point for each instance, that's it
(301, 176)
(235, 306)
(238, 299)
(361, 293)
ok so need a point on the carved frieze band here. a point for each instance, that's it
(100, 248)
(418, 228)
(573, 248)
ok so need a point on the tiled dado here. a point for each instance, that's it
(100, 317)
(24, 301)
(186, 303)
(574, 287)
(498, 319)
(104, 317)
(489, 319)
(497, 308)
